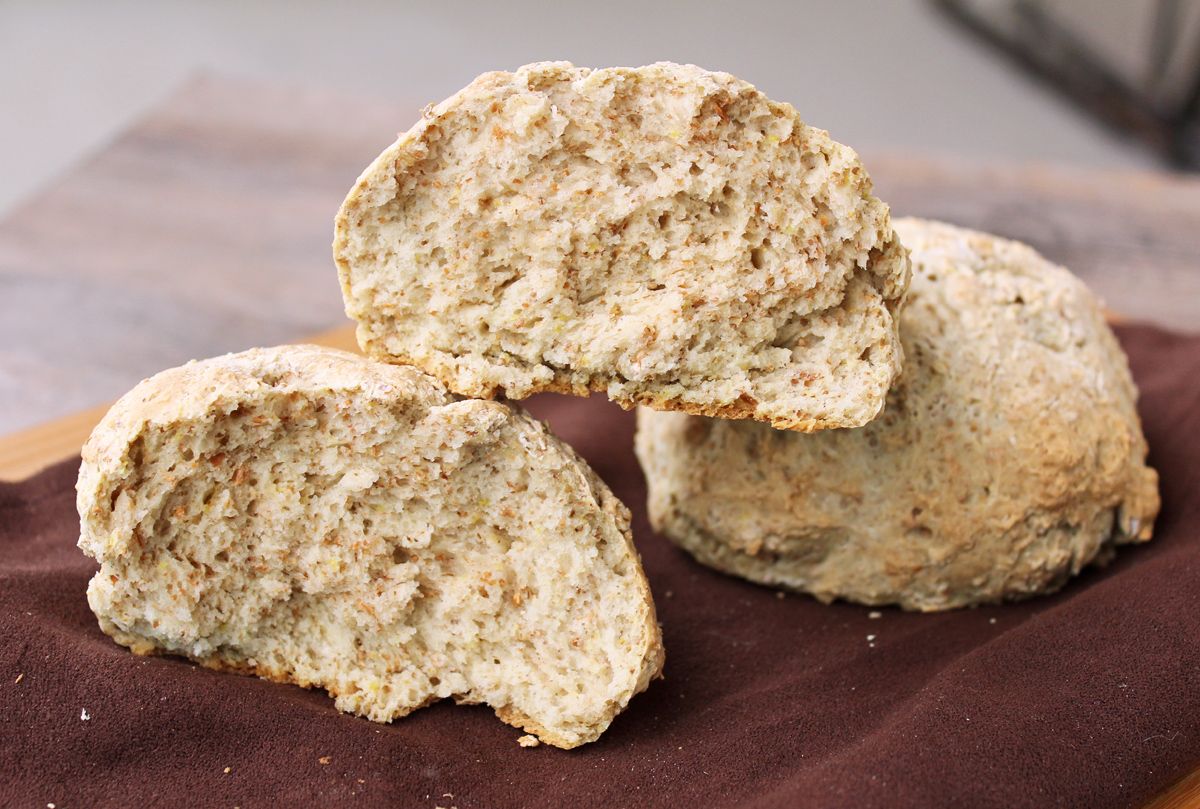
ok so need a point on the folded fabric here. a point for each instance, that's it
(1090, 697)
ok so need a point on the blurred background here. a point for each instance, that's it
(899, 75)
(170, 170)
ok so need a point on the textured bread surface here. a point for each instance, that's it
(666, 235)
(1009, 454)
(313, 517)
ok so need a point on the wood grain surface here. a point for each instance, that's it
(206, 228)
(24, 452)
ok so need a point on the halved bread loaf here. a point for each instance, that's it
(1009, 454)
(664, 234)
(313, 517)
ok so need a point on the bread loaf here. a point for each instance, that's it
(1009, 454)
(312, 517)
(664, 234)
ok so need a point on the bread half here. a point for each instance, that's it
(666, 235)
(312, 517)
(1008, 457)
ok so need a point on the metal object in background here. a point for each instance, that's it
(1154, 96)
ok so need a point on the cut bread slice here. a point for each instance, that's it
(664, 234)
(313, 517)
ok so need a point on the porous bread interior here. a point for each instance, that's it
(664, 234)
(390, 549)
(1008, 457)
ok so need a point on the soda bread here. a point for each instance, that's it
(1009, 454)
(312, 517)
(664, 234)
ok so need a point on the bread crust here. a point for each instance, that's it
(122, 489)
(780, 307)
(1009, 455)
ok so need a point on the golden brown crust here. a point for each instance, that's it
(743, 408)
(1009, 454)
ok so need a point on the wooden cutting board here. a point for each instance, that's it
(205, 228)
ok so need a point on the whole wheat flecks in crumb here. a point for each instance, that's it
(313, 517)
(666, 235)
(1009, 454)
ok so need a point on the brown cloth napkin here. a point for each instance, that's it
(1089, 698)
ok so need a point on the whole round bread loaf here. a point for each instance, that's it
(1009, 454)
(313, 517)
(664, 234)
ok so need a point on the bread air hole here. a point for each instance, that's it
(636, 175)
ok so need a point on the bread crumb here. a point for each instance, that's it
(323, 760)
(420, 231)
(874, 614)
(533, 472)
(227, 770)
(20, 677)
(528, 741)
